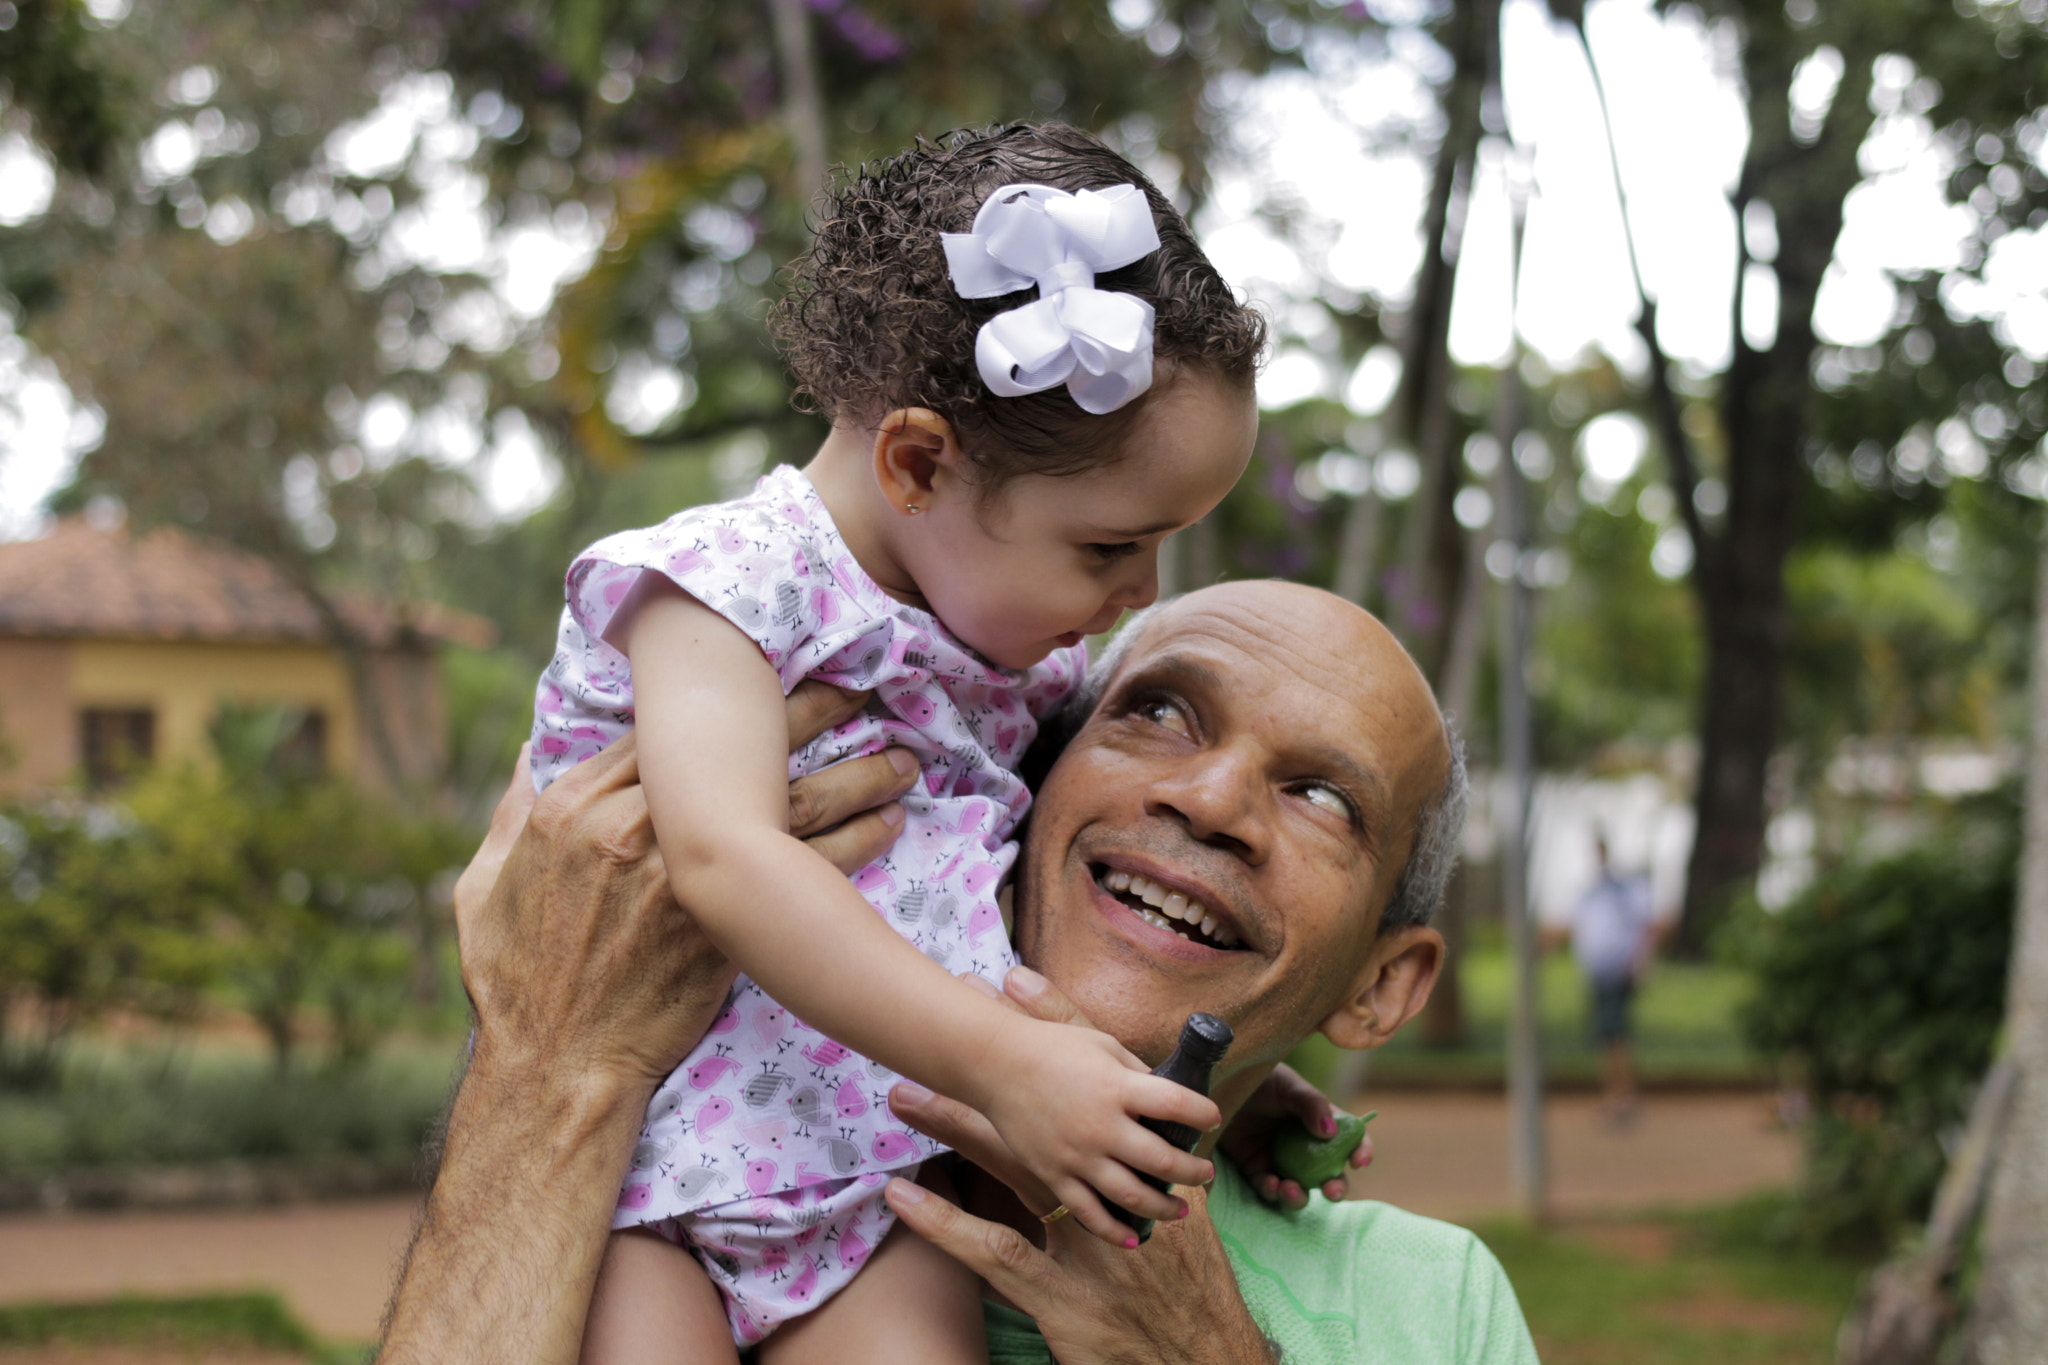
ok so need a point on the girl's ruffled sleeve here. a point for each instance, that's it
(740, 562)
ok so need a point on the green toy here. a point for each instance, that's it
(1308, 1160)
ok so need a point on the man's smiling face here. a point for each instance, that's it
(1261, 753)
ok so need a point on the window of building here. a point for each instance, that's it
(114, 741)
(302, 747)
(272, 740)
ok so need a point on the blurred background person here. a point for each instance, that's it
(1614, 932)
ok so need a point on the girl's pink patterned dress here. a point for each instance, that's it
(767, 1149)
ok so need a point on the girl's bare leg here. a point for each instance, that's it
(911, 1303)
(654, 1305)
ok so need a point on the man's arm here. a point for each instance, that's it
(1173, 1301)
(589, 985)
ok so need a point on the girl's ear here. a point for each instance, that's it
(914, 451)
(1391, 988)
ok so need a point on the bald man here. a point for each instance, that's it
(1265, 751)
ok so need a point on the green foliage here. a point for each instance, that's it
(1884, 645)
(1618, 648)
(140, 1107)
(248, 882)
(1881, 989)
(48, 68)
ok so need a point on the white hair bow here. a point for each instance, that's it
(1096, 341)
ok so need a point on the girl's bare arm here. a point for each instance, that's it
(712, 742)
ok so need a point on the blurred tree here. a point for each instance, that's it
(252, 880)
(218, 282)
(1879, 986)
(49, 73)
(2011, 1302)
(1817, 76)
(317, 215)
(86, 924)
(1424, 586)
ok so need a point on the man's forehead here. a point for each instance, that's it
(1333, 668)
(1289, 630)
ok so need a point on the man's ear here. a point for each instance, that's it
(915, 450)
(1391, 988)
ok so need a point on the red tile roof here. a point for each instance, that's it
(171, 585)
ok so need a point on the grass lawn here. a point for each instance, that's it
(1657, 1291)
(1649, 1291)
(224, 1327)
(1685, 1019)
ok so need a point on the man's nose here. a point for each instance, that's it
(1219, 794)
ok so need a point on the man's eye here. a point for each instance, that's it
(1107, 550)
(1164, 713)
(1328, 797)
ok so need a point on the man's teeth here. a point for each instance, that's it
(1162, 908)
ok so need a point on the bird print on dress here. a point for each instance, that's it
(766, 1109)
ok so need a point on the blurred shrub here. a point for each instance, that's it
(295, 897)
(1881, 987)
(126, 1108)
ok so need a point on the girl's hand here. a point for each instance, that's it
(1282, 1100)
(1078, 1290)
(1068, 1106)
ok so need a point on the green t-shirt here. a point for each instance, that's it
(1357, 1283)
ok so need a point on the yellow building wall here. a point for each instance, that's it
(38, 727)
(185, 682)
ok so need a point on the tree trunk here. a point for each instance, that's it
(1908, 1302)
(2009, 1322)
(803, 107)
(1358, 550)
(1426, 582)
(1740, 573)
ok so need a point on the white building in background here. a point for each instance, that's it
(1647, 819)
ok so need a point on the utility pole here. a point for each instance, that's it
(1526, 1166)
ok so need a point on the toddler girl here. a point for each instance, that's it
(1033, 377)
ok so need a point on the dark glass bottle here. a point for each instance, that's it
(1203, 1040)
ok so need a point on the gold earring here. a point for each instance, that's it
(913, 508)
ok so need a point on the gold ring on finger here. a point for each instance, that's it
(1055, 1216)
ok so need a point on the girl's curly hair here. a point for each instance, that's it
(871, 322)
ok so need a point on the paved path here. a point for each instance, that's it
(1443, 1155)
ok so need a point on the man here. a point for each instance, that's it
(1614, 930)
(1265, 749)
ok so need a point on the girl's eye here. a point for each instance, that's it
(1122, 549)
(1163, 713)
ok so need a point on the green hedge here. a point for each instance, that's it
(1881, 989)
